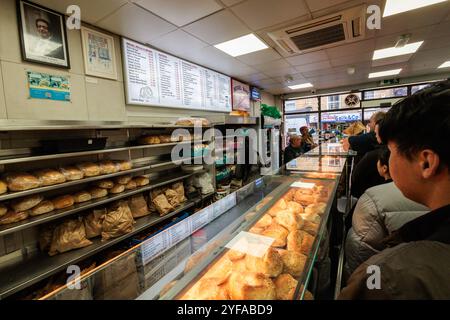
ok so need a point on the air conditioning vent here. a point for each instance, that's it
(328, 31)
(319, 37)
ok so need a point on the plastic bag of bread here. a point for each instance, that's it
(49, 177)
(93, 223)
(118, 221)
(3, 210)
(23, 204)
(72, 173)
(172, 197)
(124, 165)
(89, 169)
(98, 192)
(45, 237)
(3, 187)
(20, 181)
(162, 205)
(122, 179)
(285, 286)
(179, 189)
(251, 286)
(138, 206)
(68, 236)
(43, 207)
(141, 181)
(63, 202)
(149, 140)
(12, 217)
(108, 167)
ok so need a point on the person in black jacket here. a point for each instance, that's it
(294, 150)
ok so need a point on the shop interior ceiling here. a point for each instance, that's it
(189, 29)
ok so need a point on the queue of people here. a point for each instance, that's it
(399, 244)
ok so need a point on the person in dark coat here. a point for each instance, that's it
(294, 150)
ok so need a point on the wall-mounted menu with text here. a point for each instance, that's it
(154, 78)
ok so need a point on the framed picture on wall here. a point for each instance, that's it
(99, 54)
(43, 35)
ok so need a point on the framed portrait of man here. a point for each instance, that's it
(43, 35)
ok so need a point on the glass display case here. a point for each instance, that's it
(321, 164)
(330, 149)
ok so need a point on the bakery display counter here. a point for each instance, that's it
(142, 271)
(268, 254)
(330, 149)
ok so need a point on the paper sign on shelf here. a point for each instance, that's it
(201, 218)
(304, 185)
(154, 246)
(179, 231)
(252, 244)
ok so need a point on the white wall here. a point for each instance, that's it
(92, 98)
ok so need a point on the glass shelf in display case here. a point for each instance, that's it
(334, 164)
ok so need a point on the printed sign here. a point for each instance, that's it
(48, 87)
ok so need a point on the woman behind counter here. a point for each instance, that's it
(307, 139)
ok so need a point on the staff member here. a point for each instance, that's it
(294, 150)
(307, 139)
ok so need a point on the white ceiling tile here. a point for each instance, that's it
(314, 66)
(418, 34)
(178, 43)
(180, 12)
(230, 3)
(255, 77)
(351, 59)
(272, 65)
(259, 57)
(315, 5)
(219, 27)
(351, 49)
(259, 15)
(391, 60)
(436, 43)
(282, 72)
(307, 58)
(295, 78)
(91, 11)
(136, 23)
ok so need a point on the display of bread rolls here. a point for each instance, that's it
(285, 286)
(278, 233)
(72, 173)
(108, 167)
(289, 220)
(49, 177)
(123, 179)
(118, 188)
(264, 222)
(104, 184)
(141, 181)
(89, 169)
(130, 185)
(97, 192)
(269, 264)
(300, 241)
(293, 262)
(251, 286)
(124, 165)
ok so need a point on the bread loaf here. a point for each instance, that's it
(124, 165)
(300, 241)
(50, 177)
(131, 185)
(21, 181)
(278, 233)
(118, 221)
(72, 173)
(310, 227)
(82, 196)
(89, 169)
(293, 262)
(149, 140)
(63, 202)
(104, 184)
(45, 206)
(68, 236)
(23, 204)
(316, 208)
(12, 217)
(141, 181)
(294, 207)
(285, 286)
(97, 192)
(93, 223)
(108, 167)
(118, 188)
(165, 139)
(289, 220)
(264, 222)
(251, 286)
(123, 179)
(270, 264)
(221, 270)
(3, 187)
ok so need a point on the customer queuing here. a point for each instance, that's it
(416, 263)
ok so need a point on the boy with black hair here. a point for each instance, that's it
(417, 263)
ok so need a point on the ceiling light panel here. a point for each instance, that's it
(301, 86)
(398, 6)
(394, 52)
(242, 45)
(384, 73)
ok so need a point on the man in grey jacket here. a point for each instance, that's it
(416, 264)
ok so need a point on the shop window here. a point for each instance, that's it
(335, 122)
(341, 101)
(301, 105)
(419, 87)
(293, 123)
(386, 93)
(371, 111)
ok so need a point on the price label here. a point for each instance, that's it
(154, 246)
(201, 218)
(179, 231)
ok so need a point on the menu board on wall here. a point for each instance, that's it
(241, 96)
(154, 78)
